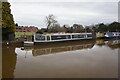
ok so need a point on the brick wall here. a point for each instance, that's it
(26, 29)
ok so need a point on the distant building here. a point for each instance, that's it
(26, 29)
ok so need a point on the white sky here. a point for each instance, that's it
(33, 12)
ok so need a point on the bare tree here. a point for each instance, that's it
(50, 21)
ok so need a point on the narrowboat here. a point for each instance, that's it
(59, 37)
(112, 34)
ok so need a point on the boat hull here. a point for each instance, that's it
(64, 41)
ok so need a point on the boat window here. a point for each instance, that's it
(89, 35)
(77, 36)
(39, 37)
(58, 37)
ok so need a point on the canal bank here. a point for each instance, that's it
(12, 43)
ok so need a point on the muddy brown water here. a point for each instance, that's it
(87, 59)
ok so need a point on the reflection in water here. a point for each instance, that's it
(42, 51)
(37, 52)
(113, 44)
(9, 58)
(100, 42)
(59, 47)
(75, 60)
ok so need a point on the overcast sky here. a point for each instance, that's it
(33, 12)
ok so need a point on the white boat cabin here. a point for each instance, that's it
(61, 37)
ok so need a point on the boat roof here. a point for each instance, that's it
(114, 32)
(64, 33)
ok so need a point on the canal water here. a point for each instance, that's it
(78, 59)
